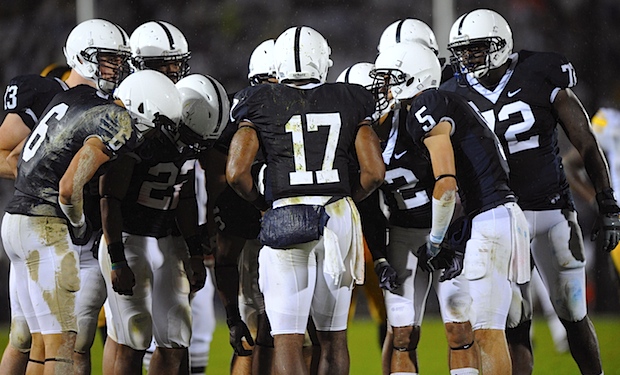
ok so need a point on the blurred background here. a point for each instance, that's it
(223, 33)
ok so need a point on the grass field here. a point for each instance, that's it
(365, 354)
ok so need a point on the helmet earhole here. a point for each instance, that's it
(141, 108)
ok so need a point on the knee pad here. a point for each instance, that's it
(87, 328)
(567, 242)
(20, 337)
(139, 331)
(400, 310)
(520, 305)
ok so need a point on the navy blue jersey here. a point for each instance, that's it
(481, 168)
(28, 96)
(149, 206)
(409, 178)
(520, 110)
(70, 119)
(306, 134)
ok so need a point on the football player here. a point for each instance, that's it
(312, 250)
(161, 46)
(523, 96)
(80, 130)
(461, 148)
(26, 98)
(145, 197)
(158, 45)
(236, 228)
(408, 186)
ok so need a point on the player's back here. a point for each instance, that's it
(481, 169)
(28, 96)
(307, 134)
(68, 121)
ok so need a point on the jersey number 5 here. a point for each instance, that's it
(327, 174)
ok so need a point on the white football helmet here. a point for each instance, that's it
(205, 110)
(358, 73)
(98, 43)
(262, 66)
(152, 100)
(407, 69)
(157, 45)
(408, 30)
(302, 53)
(480, 40)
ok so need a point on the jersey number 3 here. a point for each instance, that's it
(327, 173)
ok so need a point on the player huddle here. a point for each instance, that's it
(450, 173)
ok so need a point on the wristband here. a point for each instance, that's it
(379, 261)
(119, 265)
(194, 245)
(607, 202)
(74, 213)
(116, 250)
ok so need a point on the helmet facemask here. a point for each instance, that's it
(476, 57)
(174, 67)
(386, 82)
(112, 66)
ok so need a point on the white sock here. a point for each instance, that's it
(464, 371)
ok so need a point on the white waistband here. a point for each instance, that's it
(317, 200)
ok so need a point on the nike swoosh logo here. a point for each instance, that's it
(398, 156)
(513, 93)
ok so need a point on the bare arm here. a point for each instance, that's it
(372, 168)
(576, 124)
(241, 154)
(13, 132)
(82, 168)
(441, 152)
(113, 187)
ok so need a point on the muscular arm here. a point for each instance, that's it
(13, 131)
(82, 168)
(241, 154)
(576, 124)
(372, 168)
(113, 186)
(441, 152)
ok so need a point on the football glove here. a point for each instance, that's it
(80, 235)
(388, 279)
(606, 231)
(426, 254)
(454, 268)
(238, 330)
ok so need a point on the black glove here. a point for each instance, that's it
(238, 330)
(426, 254)
(80, 235)
(454, 268)
(388, 279)
(606, 231)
